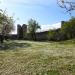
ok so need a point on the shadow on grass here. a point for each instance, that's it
(14, 45)
(51, 72)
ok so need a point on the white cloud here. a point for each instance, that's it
(48, 27)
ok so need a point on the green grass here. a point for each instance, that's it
(37, 58)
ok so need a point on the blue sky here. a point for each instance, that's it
(46, 12)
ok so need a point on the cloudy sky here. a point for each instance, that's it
(46, 12)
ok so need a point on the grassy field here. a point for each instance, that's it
(37, 58)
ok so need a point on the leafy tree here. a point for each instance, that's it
(32, 27)
(6, 24)
(68, 28)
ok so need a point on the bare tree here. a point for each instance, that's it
(69, 5)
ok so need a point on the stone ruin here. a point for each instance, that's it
(21, 31)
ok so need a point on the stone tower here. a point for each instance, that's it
(24, 29)
(19, 31)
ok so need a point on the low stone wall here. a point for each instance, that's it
(42, 35)
(39, 36)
